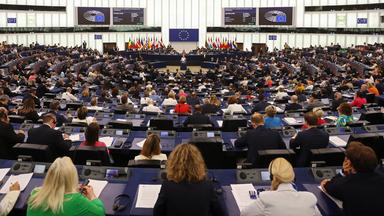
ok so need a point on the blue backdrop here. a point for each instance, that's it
(183, 35)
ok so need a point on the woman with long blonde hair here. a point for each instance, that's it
(282, 199)
(187, 191)
(60, 194)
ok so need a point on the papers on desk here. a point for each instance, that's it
(17, 90)
(97, 108)
(122, 120)
(279, 110)
(23, 180)
(338, 202)
(332, 118)
(241, 194)
(337, 141)
(224, 110)
(290, 120)
(107, 140)
(98, 186)
(76, 137)
(3, 173)
(147, 195)
(220, 123)
(141, 143)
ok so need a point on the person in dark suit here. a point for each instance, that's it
(187, 191)
(338, 99)
(359, 187)
(310, 138)
(8, 137)
(28, 110)
(259, 138)
(58, 143)
(193, 99)
(209, 108)
(197, 118)
(54, 109)
(261, 105)
(125, 105)
(294, 105)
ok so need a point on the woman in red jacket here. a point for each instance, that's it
(182, 106)
(359, 100)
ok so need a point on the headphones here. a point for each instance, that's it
(118, 204)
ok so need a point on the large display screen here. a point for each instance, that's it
(239, 16)
(93, 16)
(128, 16)
(275, 16)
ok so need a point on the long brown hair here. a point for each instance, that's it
(92, 134)
(28, 106)
(151, 146)
(186, 164)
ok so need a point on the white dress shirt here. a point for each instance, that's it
(160, 157)
(169, 102)
(284, 201)
(152, 108)
(68, 97)
(281, 95)
(235, 108)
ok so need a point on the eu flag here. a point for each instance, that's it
(183, 35)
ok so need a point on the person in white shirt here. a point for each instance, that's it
(9, 200)
(94, 105)
(151, 149)
(144, 100)
(282, 199)
(82, 117)
(233, 107)
(68, 96)
(171, 100)
(281, 94)
(151, 107)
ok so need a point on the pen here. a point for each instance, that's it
(82, 189)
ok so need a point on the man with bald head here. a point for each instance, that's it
(294, 105)
(259, 138)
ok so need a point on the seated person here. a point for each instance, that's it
(209, 108)
(171, 100)
(282, 195)
(9, 200)
(58, 143)
(234, 107)
(54, 109)
(94, 105)
(68, 96)
(197, 117)
(60, 193)
(345, 115)
(319, 113)
(193, 99)
(310, 138)
(92, 136)
(359, 187)
(261, 105)
(281, 94)
(358, 100)
(151, 149)
(126, 105)
(8, 136)
(313, 102)
(294, 105)
(259, 138)
(372, 89)
(151, 108)
(144, 100)
(82, 116)
(182, 107)
(187, 183)
(338, 99)
(28, 110)
(271, 121)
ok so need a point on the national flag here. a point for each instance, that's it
(234, 43)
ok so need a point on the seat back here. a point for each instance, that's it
(266, 156)
(39, 153)
(330, 156)
(161, 124)
(120, 124)
(145, 163)
(16, 119)
(212, 153)
(233, 125)
(81, 154)
(370, 98)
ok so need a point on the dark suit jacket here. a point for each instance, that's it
(260, 106)
(8, 138)
(197, 118)
(312, 138)
(44, 135)
(293, 106)
(209, 108)
(187, 199)
(260, 138)
(336, 103)
(33, 116)
(361, 193)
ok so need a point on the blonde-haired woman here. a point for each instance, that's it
(283, 199)
(60, 194)
(187, 191)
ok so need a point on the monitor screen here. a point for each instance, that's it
(265, 176)
(128, 16)
(93, 16)
(163, 133)
(210, 134)
(39, 169)
(111, 173)
(119, 132)
(275, 16)
(239, 16)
